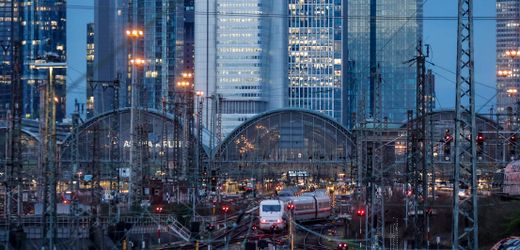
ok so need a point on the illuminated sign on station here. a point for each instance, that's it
(298, 173)
(165, 144)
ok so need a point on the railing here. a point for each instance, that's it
(78, 226)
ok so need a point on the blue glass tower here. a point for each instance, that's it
(161, 47)
(384, 44)
(42, 36)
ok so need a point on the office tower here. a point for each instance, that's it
(381, 47)
(240, 58)
(317, 57)
(160, 48)
(189, 36)
(6, 55)
(508, 56)
(42, 36)
(90, 70)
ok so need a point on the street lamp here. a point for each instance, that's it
(134, 35)
(48, 154)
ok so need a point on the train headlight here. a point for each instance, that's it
(279, 221)
(263, 221)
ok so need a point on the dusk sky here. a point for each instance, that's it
(440, 34)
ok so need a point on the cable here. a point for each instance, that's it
(350, 17)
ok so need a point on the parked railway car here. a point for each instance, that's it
(312, 206)
(506, 182)
(272, 215)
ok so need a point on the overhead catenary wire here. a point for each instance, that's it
(350, 17)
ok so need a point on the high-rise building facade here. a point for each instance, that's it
(90, 70)
(379, 48)
(240, 59)
(508, 56)
(317, 56)
(161, 47)
(7, 15)
(42, 36)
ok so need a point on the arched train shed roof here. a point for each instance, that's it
(287, 134)
(449, 115)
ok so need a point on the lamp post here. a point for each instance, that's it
(200, 96)
(186, 94)
(133, 188)
(48, 102)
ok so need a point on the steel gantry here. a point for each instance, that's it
(48, 150)
(13, 172)
(418, 163)
(376, 192)
(465, 216)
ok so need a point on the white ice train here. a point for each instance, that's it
(311, 206)
(273, 214)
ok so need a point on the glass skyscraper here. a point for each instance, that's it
(508, 56)
(317, 64)
(394, 41)
(239, 57)
(42, 36)
(161, 47)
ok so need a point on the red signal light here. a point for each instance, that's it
(480, 137)
(361, 212)
(225, 209)
(512, 138)
(290, 206)
(342, 246)
(158, 209)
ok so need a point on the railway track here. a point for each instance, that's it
(313, 239)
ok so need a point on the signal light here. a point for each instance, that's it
(361, 212)
(158, 209)
(447, 143)
(210, 227)
(290, 206)
(342, 246)
(513, 138)
(480, 145)
(254, 227)
(225, 208)
(480, 138)
(447, 136)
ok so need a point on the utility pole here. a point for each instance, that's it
(135, 188)
(114, 132)
(75, 165)
(48, 148)
(14, 169)
(376, 174)
(419, 165)
(465, 168)
(198, 158)
(410, 162)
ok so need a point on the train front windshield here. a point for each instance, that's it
(271, 208)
